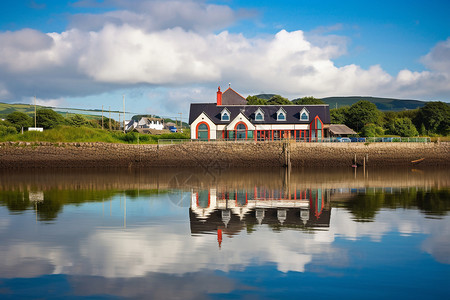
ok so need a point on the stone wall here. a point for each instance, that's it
(219, 154)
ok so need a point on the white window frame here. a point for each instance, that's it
(304, 110)
(283, 112)
(259, 111)
(225, 111)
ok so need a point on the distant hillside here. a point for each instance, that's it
(381, 103)
(265, 96)
(7, 108)
(385, 104)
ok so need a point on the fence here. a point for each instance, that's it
(307, 140)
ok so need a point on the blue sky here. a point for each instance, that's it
(162, 55)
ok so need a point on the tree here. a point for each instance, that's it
(339, 115)
(7, 130)
(372, 130)
(307, 101)
(362, 113)
(19, 119)
(253, 100)
(77, 121)
(278, 100)
(435, 116)
(403, 127)
(423, 130)
(48, 118)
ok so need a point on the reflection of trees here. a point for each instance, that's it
(54, 200)
(15, 201)
(365, 206)
(434, 203)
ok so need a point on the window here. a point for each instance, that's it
(225, 115)
(281, 116)
(318, 124)
(304, 115)
(240, 132)
(203, 199)
(259, 117)
(203, 132)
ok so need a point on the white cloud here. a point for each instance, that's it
(49, 102)
(439, 57)
(159, 15)
(172, 45)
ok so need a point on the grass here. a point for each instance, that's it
(68, 134)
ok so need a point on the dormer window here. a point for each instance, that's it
(259, 115)
(304, 115)
(225, 115)
(281, 115)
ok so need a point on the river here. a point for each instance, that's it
(217, 233)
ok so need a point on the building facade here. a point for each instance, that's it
(231, 119)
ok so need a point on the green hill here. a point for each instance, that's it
(7, 108)
(384, 104)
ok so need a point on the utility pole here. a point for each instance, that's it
(102, 116)
(35, 111)
(110, 118)
(123, 98)
(181, 120)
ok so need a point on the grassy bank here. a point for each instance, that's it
(69, 134)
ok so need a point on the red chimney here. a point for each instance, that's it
(219, 97)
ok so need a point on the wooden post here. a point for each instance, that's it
(364, 166)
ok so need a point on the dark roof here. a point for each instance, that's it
(270, 113)
(231, 97)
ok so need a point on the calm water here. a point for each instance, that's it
(220, 233)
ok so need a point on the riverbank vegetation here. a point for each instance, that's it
(75, 128)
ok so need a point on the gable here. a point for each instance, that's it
(231, 97)
(241, 118)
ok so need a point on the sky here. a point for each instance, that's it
(163, 55)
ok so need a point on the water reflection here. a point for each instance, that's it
(229, 211)
(235, 233)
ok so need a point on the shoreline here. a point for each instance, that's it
(219, 155)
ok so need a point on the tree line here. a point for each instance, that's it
(433, 119)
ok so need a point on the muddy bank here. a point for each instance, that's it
(219, 154)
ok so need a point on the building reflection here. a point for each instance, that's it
(230, 211)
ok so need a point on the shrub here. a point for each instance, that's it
(372, 130)
(77, 121)
(7, 130)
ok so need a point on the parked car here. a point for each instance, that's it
(344, 140)
(173, 129)
(358, 139)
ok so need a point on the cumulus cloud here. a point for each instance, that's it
(174, 44)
